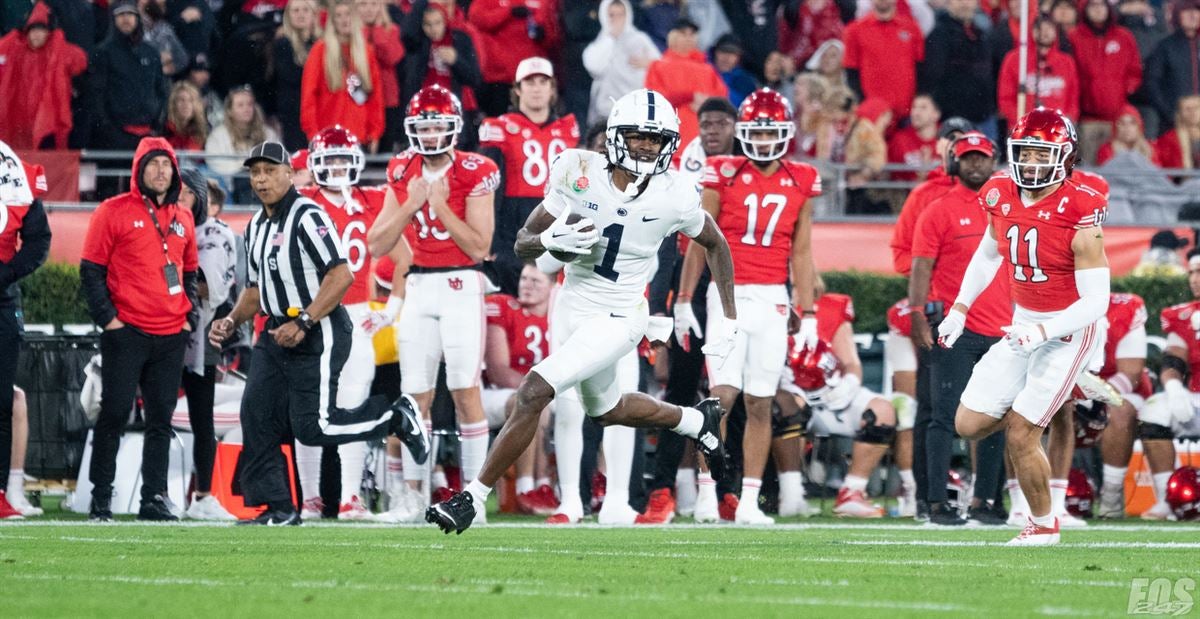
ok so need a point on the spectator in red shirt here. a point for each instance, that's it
(511, 31)
(36, 67)
(685, 78)
(1110, 70)
(934, 187)
(806, 25)
(1129, 135)
(882, 53)
(384, 36)
(1052, 80)
(916, 144)
(341, 83)
(1180, 147)
(187, 120)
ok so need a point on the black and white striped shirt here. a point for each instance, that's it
(288, 253)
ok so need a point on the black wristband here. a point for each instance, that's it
(305, 322)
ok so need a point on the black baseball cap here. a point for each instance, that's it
(955, 124)
(685, 22)
(273, 152)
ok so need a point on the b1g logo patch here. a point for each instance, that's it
(993, 196)
(580, 185)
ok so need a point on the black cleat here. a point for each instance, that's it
(922, 511)
(454, 514)
(274, 518)
(945, 515)
(709, 439)
(157, 509)
(101, 510)
(408, 427)
(987, 515)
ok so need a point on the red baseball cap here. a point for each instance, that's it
(973, 142)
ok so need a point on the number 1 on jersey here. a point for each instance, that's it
(1031, 239)
(613, 233)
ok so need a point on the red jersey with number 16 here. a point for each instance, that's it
(758, 213)
(352, 223)
(528, 149)
(470, 176)
(1036, 239)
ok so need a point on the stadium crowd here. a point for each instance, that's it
(506, 86)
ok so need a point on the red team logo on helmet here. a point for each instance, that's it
(1183, 493)
(814, 370)
(433, 120)
(1047, 130)
(765, 126)
(335, 157)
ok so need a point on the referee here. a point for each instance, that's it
(297, 275)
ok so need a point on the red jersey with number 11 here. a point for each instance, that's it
(352, 225)
(1036, 239)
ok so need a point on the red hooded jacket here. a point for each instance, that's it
(35, 85)
(320, 108)
(1055, 77)
(504, 39)
(122, 239)
(1110, 67)
(679, 78)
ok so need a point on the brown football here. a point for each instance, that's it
(566, 256)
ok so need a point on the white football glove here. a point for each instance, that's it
(843, 393)
(686, 324)
(385, 317)
(1023, 339)
(570, 238)
(1179, 401)
(951, 328)
(806, 337)
(720, 340)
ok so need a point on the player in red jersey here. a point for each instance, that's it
(760, 202)
(1174, 411)
(828, 377)
(1048, 228)
(517, 339)
(523, 142)
(445, 196)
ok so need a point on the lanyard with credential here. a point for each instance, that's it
(170, 272)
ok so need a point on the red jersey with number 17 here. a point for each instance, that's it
(528, 149)
(352, 223)
(1036, 239)
(470, 175)
(525, 332)
(758, 213)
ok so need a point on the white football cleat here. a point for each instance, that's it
(1159, 511)
(312, 508)
(1033, 535)
(570, 511)
(1068, 520)
(1112, 503)
(1096, 388)
(355, 510)
(208, 508)
(21, 504)
(706, 506)
(907, 506)
(748, 513)
(614, 513)
(798, 507)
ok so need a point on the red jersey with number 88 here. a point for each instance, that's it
(528, 149)
(352, 230)
(470, 176)
(1036, 240)
(758, 213)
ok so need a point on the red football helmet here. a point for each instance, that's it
(767, 112)
(1183, 493)
(1090, 422)
(1080, 494)
(814, 370)
(335, 157)
(433, 120)
(1042, 131)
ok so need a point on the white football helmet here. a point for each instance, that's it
(643, 111)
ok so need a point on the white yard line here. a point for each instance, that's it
(959, 544)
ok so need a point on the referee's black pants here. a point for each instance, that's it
(10, 347)
(133, 358)
(292, 392)
(950, 371)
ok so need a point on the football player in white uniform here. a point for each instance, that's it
(630, 199)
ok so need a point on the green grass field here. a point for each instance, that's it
(821, 568)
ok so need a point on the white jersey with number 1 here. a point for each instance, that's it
(615, 273)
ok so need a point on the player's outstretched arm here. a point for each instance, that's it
(529, 241)
(1091, 282)
(720, 263)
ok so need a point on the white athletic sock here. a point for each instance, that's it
(414, 472)
(524, 484)
(439, 479)
(541, 481)
(618, 445)
(353, 456)
(395, 472)
(854, 482)
(1058, 496)
(1160, 486)
(473, 438)
(685, 488)
(750, 488)
(1016, 497)
(706, 486)
(568, 446)
(690, 422)
(16, 482)
(791, 486)
(308, 463)
(908, 483)
(1044, 521)
(479, 492)
(1114, 476)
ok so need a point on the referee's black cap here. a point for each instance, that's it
(272, 152)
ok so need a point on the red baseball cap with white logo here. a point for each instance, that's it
(534, 65)
(974, 142)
